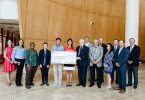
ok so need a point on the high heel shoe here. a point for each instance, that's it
(8, 84)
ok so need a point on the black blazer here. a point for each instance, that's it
(41, 57)
(84, 54)
(134, 55)
(104, 46)
(115, 50)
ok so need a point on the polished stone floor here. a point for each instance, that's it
(68, 93)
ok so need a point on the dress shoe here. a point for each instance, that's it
(91, 85)
(47, 84)
(42, 84)
(28, 87)
(78, 84)
(84, 85)
(122, 91)
(135, 87)
(129, 84)
(99, 85)
(32, 84)
(21, 84)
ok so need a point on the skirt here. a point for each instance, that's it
(69, 67)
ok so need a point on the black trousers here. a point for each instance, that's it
(134, 70)
(99, 71)
(44, 74)
(82, 72)
(19, 71)
(30, 74)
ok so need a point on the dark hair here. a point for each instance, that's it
(111, 46)
(122, 41)
(22, 41)
(45, 43)
(71, 41)
(131, 39)
(116, 40)
(58, 39)
(32, 43)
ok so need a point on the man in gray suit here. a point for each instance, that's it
(89, 45)
(96, 54)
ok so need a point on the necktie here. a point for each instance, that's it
(80, 49)
(115, 47)
(44, 58)
(94, 55)
(119, 51)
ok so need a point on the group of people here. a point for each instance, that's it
(95, 62)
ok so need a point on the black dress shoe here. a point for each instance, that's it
(28, 87)
(78, 84)
(47, 84)
(21, 84)
(91, 85)
(32, 84)
(129, 84)
(135, 87)
(42, 84)
(99, 85)
(84, 85)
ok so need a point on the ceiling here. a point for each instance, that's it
(10, 24)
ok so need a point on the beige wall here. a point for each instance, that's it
(45, 20)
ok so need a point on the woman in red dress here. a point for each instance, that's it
(8, 64)
(69, 67)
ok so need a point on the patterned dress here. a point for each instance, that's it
(108, 61)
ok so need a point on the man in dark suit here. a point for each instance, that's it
(82, 62)
(44, 63)
(133, 62)
(104, 46)
(121, 58)
(115, 47)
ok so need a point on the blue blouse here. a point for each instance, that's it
(18, 53)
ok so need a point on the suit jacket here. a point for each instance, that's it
(122, 57)
(114, 51)
(84, 54)
(104, 49)
(41, 57)
(98, 55)
(134, 55)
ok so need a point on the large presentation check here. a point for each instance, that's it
(63, 57)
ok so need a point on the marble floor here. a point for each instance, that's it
(68, 93)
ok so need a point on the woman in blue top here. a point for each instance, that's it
(18, 58)
(108, 66)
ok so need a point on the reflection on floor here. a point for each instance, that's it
(67, 93)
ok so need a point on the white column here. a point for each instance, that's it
(132, 20)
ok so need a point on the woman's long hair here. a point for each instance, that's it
(71, 43)
(19, 41)
(111, 47)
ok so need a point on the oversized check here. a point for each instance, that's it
(63, 57)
